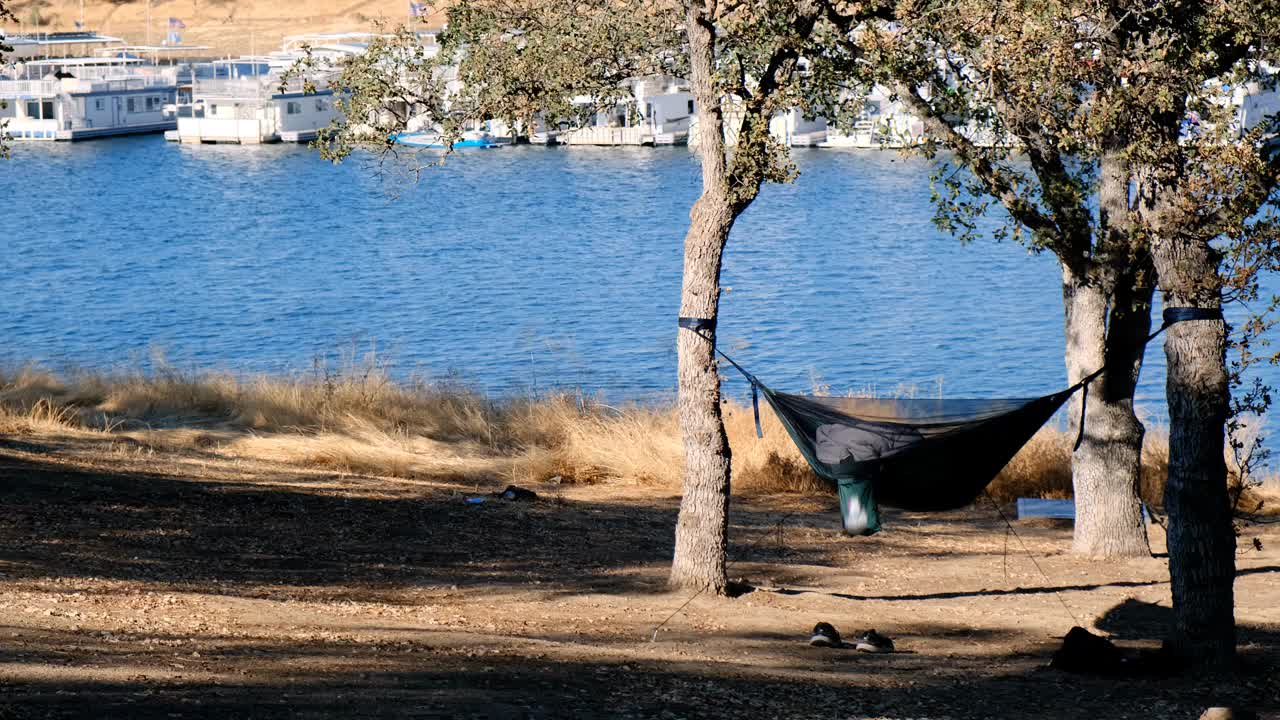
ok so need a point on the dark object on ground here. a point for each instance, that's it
(873, 642)
(517, 493)
(825, 635)
(1084, 652)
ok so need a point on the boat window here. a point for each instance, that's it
(321, 105)
(99, 104)
(294, 108)
(37, 109)
(132, 105)
(690, 107)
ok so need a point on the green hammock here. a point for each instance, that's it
(922, 455)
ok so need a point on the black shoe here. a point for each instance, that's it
(517, 493)
(825, 635)
(873, 642)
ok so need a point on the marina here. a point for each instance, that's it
(625, 162)
(254, 99)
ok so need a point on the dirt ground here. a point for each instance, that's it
(144, 585)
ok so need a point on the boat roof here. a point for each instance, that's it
(333, 36)
(61, 38)
(161, 48)
(80, 61)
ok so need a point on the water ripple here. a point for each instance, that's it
(523, 268)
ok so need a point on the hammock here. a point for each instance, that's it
(921, 455)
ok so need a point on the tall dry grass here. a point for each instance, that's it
(1042, 469)
(361, 421)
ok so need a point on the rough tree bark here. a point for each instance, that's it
(1097, 277)
(1200, 535)
(702, 527)
(1106, 468)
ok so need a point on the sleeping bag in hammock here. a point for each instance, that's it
(912, 454)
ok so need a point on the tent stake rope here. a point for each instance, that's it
(1032, 558)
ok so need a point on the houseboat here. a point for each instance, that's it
(883, 123)
(659, 111)
(85, 97)
(243, 101)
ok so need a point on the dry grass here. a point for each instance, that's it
(1043, 467)
(227, 26)
(361, 422)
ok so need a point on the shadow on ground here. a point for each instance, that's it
(423, 678)
(218, 535)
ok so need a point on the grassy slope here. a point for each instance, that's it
(229, 26)
(359, 420)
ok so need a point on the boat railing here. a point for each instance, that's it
(17, 89)
(165, 76)
(125, 83)
(246, 89)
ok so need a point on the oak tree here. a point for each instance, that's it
(1117, 135)
(554, 63)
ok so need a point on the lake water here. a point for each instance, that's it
(516, 270)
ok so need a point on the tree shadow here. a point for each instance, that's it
(234, 677)
(220, 535)
(291, 529)
(1135, 620)
(1038, 590)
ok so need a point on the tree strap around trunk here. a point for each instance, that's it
(701, 326)
(1182, 314)
(1172, 316)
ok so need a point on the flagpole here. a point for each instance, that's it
(148, 22)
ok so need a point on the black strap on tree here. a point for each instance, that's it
(702, 327)
(1172, 315)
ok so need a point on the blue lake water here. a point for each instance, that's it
(513, 270)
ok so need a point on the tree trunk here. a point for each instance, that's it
(1105, 469)
(1201, 538)
(702, 527)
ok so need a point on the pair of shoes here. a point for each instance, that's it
(825, 635)
(873, 642)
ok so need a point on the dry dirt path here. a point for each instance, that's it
(141, 585)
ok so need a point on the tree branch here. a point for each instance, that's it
(993, 178)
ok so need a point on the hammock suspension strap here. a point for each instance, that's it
(703, 327)
(1172, 316)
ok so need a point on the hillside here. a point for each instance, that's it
(229, 26)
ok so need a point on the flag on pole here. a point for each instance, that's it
(173, 38)
(176, 24)
(79, 25)
(418, 10)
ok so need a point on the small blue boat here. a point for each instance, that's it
(471, 139)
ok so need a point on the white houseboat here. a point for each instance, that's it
(242, 101)
(659, 112)
(80, 98)
(883, 123)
